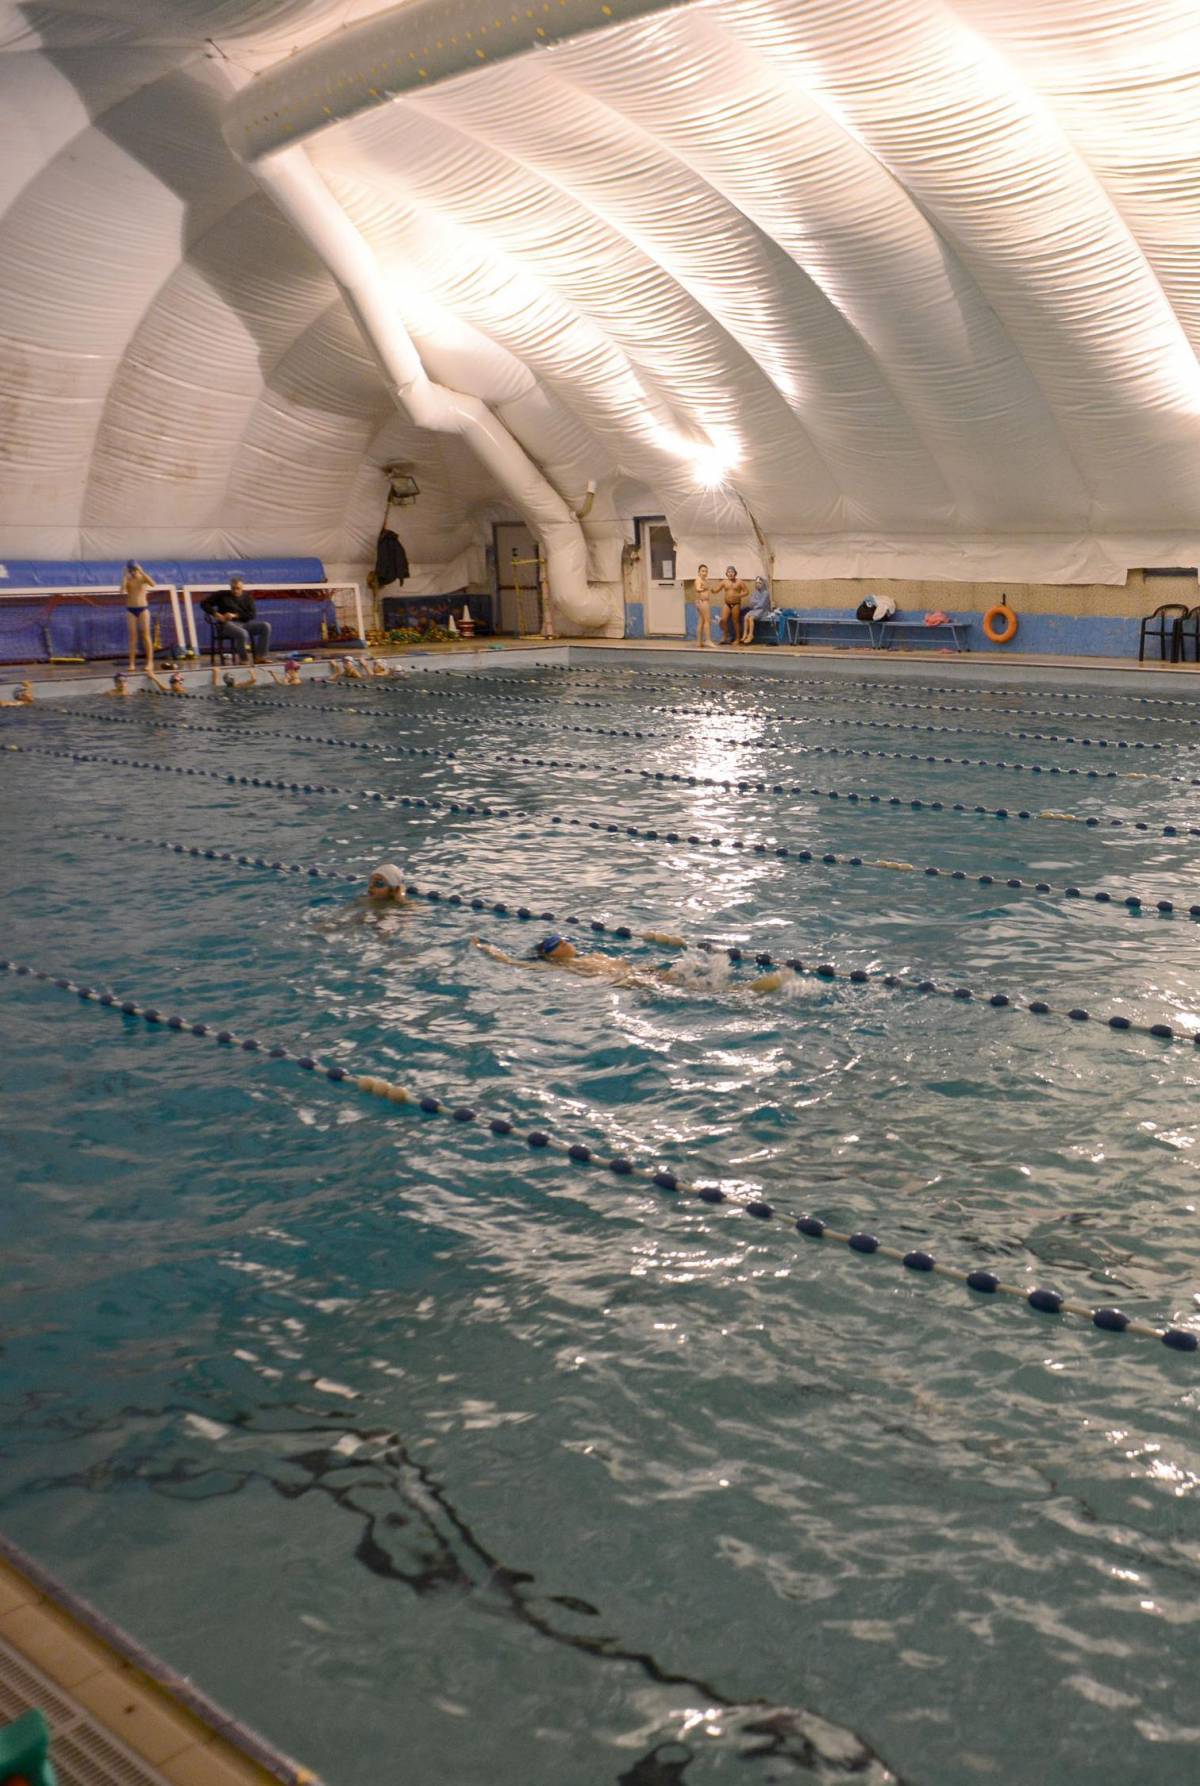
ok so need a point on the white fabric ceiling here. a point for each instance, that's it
(917, 281)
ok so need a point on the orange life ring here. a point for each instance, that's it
(1000, 624)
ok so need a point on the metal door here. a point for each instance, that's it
(516, 585)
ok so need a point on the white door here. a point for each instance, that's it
(662, 592)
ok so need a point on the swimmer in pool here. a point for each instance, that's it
(229, 680)
(22, 695)
(120, 688)
(559, 951)
(386, 885)
(291, 672)
(175, 684)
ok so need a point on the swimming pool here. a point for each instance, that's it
(440, 1456)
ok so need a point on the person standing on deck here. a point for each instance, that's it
(136, 585)
(733, 594)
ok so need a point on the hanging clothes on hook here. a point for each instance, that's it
(391, 560)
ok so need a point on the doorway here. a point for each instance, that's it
(662, 593)
(518, 599)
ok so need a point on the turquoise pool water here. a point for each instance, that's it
(441, 1459)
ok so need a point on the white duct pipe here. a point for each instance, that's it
(301, 194)
(407, 49)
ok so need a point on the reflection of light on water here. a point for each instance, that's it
(1158, 1469)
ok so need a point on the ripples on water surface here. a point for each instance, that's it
(441, 1462)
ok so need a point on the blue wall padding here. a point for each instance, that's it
(35, 628)
(1059, 635)
(49, 573)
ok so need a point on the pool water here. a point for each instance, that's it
(444, 1459)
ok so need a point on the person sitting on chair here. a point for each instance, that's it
(232, 615)
(757, 608)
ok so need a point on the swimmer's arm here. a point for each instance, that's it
(496, 954)
(154, 681)
(767, 982)
(276, 678)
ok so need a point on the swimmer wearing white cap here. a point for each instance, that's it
(386, 885)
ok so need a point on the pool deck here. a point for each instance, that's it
(54, 682)
(118, 1716)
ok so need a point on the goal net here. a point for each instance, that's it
(80, 625)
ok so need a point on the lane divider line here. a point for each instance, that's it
(624, 932)
(918, 1260)
(1132, 904)
(776, 790)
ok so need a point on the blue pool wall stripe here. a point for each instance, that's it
(1052, 635)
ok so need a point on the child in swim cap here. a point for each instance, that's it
(386, 885)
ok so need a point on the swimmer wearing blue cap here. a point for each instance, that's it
(559, 951)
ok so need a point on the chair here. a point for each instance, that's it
(1189, 628)
(1165, 623)
(218, 643)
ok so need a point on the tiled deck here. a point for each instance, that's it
(117, 1717)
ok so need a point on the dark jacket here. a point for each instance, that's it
(226, 602)
(391, 560)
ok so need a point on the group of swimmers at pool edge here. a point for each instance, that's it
(344, 669)
(734, 595)
(386, 887)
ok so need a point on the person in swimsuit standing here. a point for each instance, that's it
(733, 593)
(702, 593)
(136, 585)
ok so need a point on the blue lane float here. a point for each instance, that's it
(691, 712)
(739, 680)
(516, 912)
(345, 1073)
(1132, 904)
(898, 803)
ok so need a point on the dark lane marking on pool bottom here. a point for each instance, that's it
(902, 803)
(1131, 903)
(625, 932)
(917, 1260)
(423, 1543)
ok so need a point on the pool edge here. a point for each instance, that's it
(128, 1689)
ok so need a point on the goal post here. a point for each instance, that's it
(47, 625)
(301, 615)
